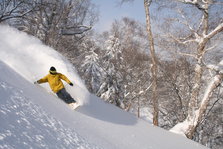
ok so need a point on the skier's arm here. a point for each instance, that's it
(43, 80)
(66, 79)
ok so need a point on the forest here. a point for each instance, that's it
(168, 69)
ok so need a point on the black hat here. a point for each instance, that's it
(53, 70)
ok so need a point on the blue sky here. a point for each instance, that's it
(109, 10)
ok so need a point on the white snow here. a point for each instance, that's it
(33, 118)
(180, 128)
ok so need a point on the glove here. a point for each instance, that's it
(36, 82)
(71, 84)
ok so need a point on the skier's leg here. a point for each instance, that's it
(68, 97)
(65, 96)
(61, 95)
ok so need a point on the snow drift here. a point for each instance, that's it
(33, 118)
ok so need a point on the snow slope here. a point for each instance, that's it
(33, 118)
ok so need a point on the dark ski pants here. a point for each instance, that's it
(65, 96)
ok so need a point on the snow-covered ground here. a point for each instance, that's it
(32, 117)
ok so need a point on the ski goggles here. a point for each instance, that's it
(53, 72)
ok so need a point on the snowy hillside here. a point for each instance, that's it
(32, 117)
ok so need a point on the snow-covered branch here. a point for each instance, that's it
(180, 40)
(75, 30)
(210, 48)
(187, 54)
(217, 68)
(200, 4)
(189, 1)
(201, 23)
(218, 29)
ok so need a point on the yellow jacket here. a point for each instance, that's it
(54, 81)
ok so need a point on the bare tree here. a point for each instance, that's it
(147, 4)
(200, 38)
(10, 9)
(55, 20)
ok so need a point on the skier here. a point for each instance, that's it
(54, 80)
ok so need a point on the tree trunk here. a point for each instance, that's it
(201, 111)
(193, 104)
(154, 63)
